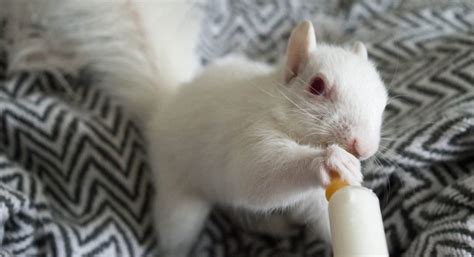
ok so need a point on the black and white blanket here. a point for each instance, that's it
(74, 179)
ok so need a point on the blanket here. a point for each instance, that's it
(74, 174)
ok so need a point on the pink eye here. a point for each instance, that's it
(317, 86)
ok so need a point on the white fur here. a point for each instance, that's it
(235, 136)
(238, 134)
(171, 29)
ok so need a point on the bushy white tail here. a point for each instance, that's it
(142, 49)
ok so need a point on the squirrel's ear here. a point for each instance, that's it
(360, 49)
(301, 43)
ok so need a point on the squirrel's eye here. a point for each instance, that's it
(317, 86)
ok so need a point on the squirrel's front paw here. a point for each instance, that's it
(346, 165)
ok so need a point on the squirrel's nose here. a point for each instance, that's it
(359, 150)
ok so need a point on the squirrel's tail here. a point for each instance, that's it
(141, 49)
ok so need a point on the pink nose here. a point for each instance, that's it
(358, 150)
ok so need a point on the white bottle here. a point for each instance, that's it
(356, 221)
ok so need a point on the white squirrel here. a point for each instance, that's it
(241, 133)
(263, 138)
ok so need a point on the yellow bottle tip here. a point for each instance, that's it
(336, 184)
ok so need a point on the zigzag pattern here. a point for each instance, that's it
(256, 29)
(74, 179)
(79, 161)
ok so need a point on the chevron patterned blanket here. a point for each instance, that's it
(74, 179)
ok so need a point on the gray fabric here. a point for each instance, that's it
(74, 178)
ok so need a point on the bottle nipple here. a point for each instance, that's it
(335, 184)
